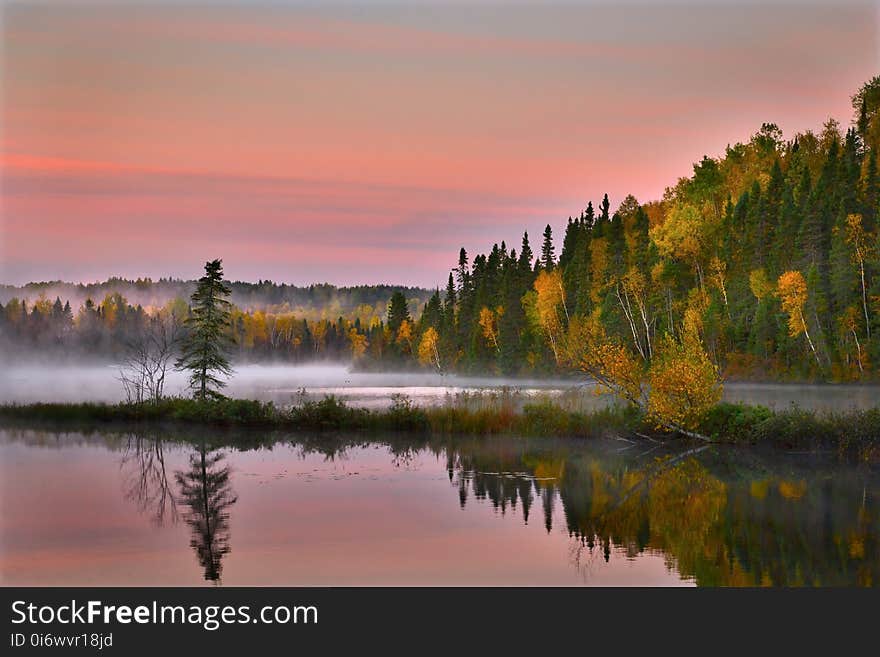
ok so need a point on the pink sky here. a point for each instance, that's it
(367, 144)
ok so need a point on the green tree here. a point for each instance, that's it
(398, 312)
(204, 351)
(548, 258)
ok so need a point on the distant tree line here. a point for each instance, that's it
(313, 302)
(108, 326)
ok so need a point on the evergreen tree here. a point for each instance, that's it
(205, 347)
(569, 242)
(432, 315)
(548, 259)
(604, 208)
(525, 255)
(398, 312)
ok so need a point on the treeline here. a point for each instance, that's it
(112, 327)
(318, 301)
(767, 255)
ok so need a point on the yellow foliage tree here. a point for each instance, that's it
(359, 343)
(319, 334)
(859, 241)
(608, 361)
(761, 286)
(684, 235)
(405, 336)
(429, 353)
(549, 308)
(632, 295)
(718, 276)
(113, 305)
(684, 384)
(258, 329)
(42, 306)
(793, 294)
(489, 324)
(848, 323)
(677, 387)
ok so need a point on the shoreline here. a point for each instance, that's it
(853, 434)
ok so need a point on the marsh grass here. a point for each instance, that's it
(854, 433)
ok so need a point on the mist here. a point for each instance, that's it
(28, 382)
(282, 384)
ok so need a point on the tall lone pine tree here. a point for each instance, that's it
(204, 351)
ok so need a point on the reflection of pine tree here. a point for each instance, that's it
(206, 492)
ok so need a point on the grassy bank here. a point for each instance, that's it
(853, 433)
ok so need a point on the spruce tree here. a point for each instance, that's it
(204, 351)
(398, 312)
(569, 241)
(548, 258)
(525, 255)
(604, 208)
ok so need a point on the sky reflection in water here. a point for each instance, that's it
(150, 509)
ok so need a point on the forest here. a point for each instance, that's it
(767, 257)
(270, 320)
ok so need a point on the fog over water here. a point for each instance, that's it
(283, 384)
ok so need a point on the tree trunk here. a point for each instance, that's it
(858, 350)
(807, 333)
(865, 298)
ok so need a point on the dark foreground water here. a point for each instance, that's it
(123, 508)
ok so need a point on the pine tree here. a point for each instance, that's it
(589, 216)
(604, 208)
(548, 258)
(449, 302)
(525, 255)
(569, 241)
(398, 312)
(205, 347)
(432, 315)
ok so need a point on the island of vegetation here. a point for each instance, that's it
(765, 264)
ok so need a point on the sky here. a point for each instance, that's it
(366, 142)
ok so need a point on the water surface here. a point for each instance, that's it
(201, 508)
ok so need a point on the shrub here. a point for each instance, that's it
(734, 422)
(328, 413)
(402, 415)
(794, 428)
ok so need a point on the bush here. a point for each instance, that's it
(734, 422)
(402, 415)
(794, 428)
(328, 413)
(858, 433)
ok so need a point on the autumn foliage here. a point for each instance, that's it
(684, 384)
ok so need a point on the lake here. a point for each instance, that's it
(199, 507)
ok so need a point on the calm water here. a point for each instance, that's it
(190, 509)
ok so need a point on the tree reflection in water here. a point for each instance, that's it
(146, 479)
(206, 494)
(718, 518)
